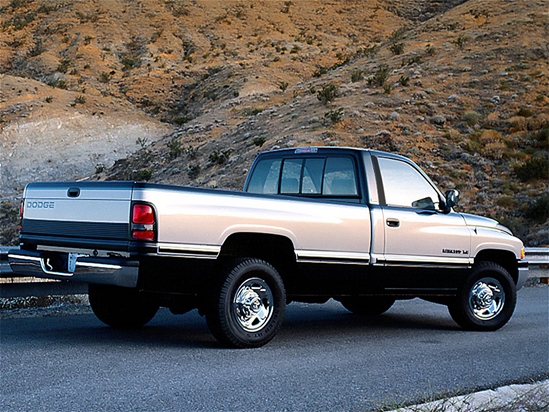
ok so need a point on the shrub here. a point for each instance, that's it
(175, 147)
(104, 77)
(141, 175)
(518, 124)
(328, 93)
(380, 76)
(180, 120)
(525, 112)
(191, 152)
(397, 48)
(142, 141)
(535, 168)
(219, 157)
(461, 40)
(506, 201)
(471, 117)
(335, 116)
(490, 136)
(63, 65)
(259, 141)
(193, 171)
(357, 75)
(60, 84)
(404, 80)
(539, 210)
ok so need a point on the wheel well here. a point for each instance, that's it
(502, 258)
(275, 249)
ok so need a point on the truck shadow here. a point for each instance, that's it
(310, 323)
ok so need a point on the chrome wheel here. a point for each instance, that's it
(247, 305)
(253, 304)
(486, 299)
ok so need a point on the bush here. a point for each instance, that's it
(193, 171)
(535, 168)
(175, 147)
(328, 93)
(397, 48)
(219, 157)
(259, 141)
(524, 112)
(142, 175)
(471, 117)
(335, 116)
(539, 210)
(380, 76)
(357, 75)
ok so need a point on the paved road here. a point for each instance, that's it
(324, 359)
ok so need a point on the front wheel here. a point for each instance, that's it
(121, 308)
(248, 305)
(487, 299)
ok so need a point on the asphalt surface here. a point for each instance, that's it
(324, 359)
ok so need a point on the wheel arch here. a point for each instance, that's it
(278, 250)
(504, 258)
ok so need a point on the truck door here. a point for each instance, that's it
(418, 233)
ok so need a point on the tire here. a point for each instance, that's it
(120, 308)
(248, 305)
(487, 299)
(367, 306)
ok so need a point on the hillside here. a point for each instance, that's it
(460, 87)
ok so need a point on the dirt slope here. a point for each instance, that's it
(460, 87)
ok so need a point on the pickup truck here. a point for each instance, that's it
(359, 226)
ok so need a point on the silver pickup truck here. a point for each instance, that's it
(360, 226)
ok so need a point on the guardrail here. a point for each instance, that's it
(538, 261)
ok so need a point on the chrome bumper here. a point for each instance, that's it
(75, 267)
(522, 274)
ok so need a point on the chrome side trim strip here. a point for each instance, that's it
(424, 261)
(331, 257)
(189, 251)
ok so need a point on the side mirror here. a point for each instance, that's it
(451, 198)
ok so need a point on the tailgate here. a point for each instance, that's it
(83, 210)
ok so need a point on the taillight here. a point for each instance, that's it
(143, 222)
(21, 210)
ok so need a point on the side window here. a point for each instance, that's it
(314, 176)
(291, 176)
(339, 177)
(265, 177)
(404, 186)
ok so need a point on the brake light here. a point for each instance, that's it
(143, 222)
(21, 210)
(143, 214)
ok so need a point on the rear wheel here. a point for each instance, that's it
(367, 306)
(121, 308)
(487, 300)
(248, 305)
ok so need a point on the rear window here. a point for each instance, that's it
(331, 176)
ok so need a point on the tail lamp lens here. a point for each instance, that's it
(143, 215)
(143, 222)
(21, 210)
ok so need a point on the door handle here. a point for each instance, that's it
(393, 222)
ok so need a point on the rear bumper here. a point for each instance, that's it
(79, 268)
